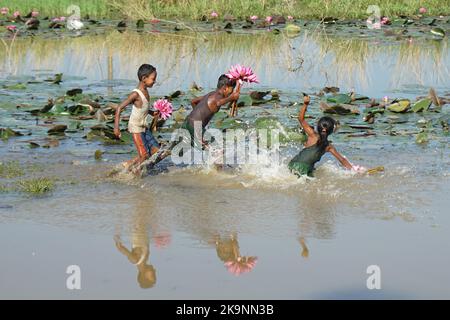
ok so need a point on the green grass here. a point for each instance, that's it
(195, 9)
(10, 169)
(36, 185)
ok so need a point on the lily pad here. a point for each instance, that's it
(6, 133)
(422, 137)
(18, 86)
(292, 28)
(244, 101)
(399, 106)
(438, 32)
(340, 98)
(339, 109)
(59, 128)
(374, 110)
(74, 92)
(421, 105)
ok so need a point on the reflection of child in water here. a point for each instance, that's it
(138, 256)
(305, 251)
(228, 251)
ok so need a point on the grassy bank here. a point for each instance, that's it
(196, 9)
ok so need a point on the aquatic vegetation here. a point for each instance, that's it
(36, 185)
(10, 169)
(421, 105)
(98, 154)
(399, 106)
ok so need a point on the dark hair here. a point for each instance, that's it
(325, 127)
(145, 70)
(225, 81)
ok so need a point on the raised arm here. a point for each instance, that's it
(338, 156)
(131, 98)
(301, 117)
(232, 97)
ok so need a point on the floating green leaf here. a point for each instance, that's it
(438, 32)
(399, 106)
(421, 105)
(422, 137)
(340, 98)
(292, 28)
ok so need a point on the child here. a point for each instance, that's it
(206, 106)
(138, 125)
(316, 145)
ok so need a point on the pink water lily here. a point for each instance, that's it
(34, 14)
(241, 73)
(422, 10)
(11, 28)
(16, 14)
(254, 18)
(4, 10)
(59, 19)
(290, 17)
(385, 20)
(162, 240)
(164, 107)
(214, 14)
(269, 19)
(241, 265)
(358, 168)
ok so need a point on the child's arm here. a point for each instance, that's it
(131, 98)
(121, 247)
(196, 101)
(301, 117)
(338, 156)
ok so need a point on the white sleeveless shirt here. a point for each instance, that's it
(139, 116)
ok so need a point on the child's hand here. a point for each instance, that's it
(306, 99)
(117, 133)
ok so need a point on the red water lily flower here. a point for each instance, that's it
(4, 10)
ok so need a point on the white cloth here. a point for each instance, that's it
(139, 116)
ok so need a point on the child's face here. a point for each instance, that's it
(228, 90)
(150, 80)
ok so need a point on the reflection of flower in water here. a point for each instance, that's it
(241, 265)
(162, 240)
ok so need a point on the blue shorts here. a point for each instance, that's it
(144, 142)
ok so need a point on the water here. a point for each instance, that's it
(307, 238)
